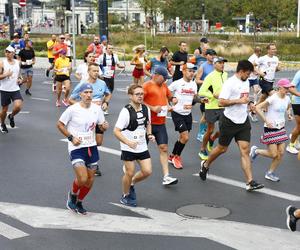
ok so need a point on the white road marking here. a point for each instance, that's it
(47, 82)
(21, 112)
(121, 89)
(230, 233)
(10, 232)
(40, 99)
(278, 194)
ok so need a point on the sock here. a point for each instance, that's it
(83, 192)
(75, 188)
(180, 148)
(175, 149)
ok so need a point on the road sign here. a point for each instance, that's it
(22, 3)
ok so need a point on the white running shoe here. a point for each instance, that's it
(291, 149)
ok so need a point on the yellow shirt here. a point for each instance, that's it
(50, 51)
(62, 65)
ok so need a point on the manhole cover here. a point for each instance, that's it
(203, 211)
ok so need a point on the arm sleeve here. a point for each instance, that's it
(204, 91)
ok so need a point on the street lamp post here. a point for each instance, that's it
(298, 18)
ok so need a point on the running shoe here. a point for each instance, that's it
(253, 185)
(210, 145)
(203, 171)
(253, 117)
(98, 172)
(53, 87)
(271, 176)
(65, 102)
(200, 137)
(132, 193)
(170, 158)
(4, 129)
(291, 220)
(177, 162)
(203, 154)
(11, 120)
(27, 92)
(297, 143)
(105, 112)
(127, 201)
(71, 202)
(80, 209)
(253, 153)
(57, 104)
(291, 149)
(169, 180)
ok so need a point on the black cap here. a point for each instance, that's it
(203, 40)
(211, 52)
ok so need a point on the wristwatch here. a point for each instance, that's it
(70, 138)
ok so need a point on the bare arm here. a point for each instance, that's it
(122, 138)
(62, 128)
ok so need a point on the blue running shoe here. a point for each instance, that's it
(71, 202)
(80, 209)
(132, 193)
(126, 200)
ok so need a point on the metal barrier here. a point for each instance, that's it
(121, 54)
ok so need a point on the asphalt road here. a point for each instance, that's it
(35, 175)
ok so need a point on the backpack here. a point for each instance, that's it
(133, 123)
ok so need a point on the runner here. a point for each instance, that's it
(50, 45)
(179, 58)
(253, 79)
(292, 216)
(108, 62)
(101, 97)
(267, 66)
(160, 60)
(9, 88)
(274, 135)
(205, 68)
(294, 143)
(82, 69)
(68, 42)
(211, 89)
(27, 60)
(15, 43)
(139, 60)
(184, 89)
(78, 123)
(95, 47)
(62, 69)
(131, 129)
(234, 123)
(156, 96)
(200, 52)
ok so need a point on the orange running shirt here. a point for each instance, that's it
(156, 95)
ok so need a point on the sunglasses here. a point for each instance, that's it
(62, 38)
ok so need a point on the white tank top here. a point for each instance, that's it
(10, 83)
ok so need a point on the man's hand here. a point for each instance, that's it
(76, 141)
(132, 144)
(156, 109)
(104, 126)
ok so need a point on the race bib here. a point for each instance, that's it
(65, 70)
(139, 136)
(109, 72)
(279, 123)
(244, 94)
(87, 138)
(163, 112)
(29, 62)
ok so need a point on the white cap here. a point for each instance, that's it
(10, 49)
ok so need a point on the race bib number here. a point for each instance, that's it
(139, 136)
(87, 138)
(28, 62)
(163, 112)
(245, 94)
(279, 123)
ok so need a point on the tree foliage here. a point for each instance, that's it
(281, 12)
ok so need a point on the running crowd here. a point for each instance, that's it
(227, 105)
